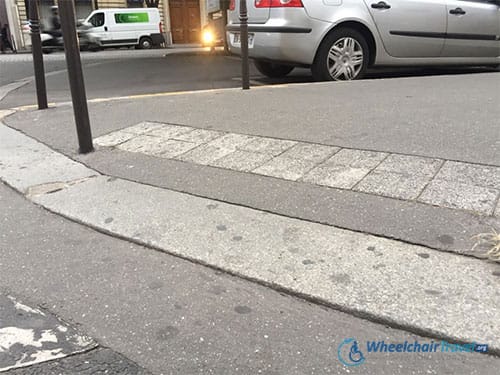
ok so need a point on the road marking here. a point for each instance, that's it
(6, 89)
(29, 335)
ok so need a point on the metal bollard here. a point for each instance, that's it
(245, 69)
(36, 50)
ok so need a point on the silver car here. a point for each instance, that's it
(340, 39)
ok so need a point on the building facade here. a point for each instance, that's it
(182, 19)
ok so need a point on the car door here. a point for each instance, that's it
(99, 28)
(410, 28)
(473, 29)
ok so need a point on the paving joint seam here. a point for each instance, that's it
(353, 188)
(443, 162)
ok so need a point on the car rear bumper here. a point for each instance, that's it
(289, 36)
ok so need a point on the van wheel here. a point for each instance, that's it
(272, 70)
(145, 43)
(342, 56)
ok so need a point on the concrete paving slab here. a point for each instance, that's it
(167, 131)
(143, 127)
(462, 196)
(400, 176)
(411, 165)
(114, 138)
(470, 174)
(356, 158)
(232, 141)
(29, 335)
(287, 168)
(394, 185)
(204, 154)
(149, 145)
(199, 136)
(25, 162)
(244, 161)
(337, 176)
(310, 152)
(269, 146)
(393, 282)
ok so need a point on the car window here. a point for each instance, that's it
(97, 20)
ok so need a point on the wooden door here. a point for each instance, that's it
(185, 21)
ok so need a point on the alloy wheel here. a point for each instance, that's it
(345, 59)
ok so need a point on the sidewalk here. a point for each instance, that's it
(298, 188)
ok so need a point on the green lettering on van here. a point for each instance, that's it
(131, 17)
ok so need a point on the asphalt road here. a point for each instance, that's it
(134, 72)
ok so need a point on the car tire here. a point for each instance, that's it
(272, 70)
(145, 43)
(351, 53)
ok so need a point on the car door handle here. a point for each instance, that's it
(105, 28)
(457, 11)
(381, 5)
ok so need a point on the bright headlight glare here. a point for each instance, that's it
(208, 37)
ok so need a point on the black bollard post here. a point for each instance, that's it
(36, 50)
(75, 74)
(245, 69)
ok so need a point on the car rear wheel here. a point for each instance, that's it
(145, 43)
(342, 56)
(272, 70)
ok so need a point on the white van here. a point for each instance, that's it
(140, 27)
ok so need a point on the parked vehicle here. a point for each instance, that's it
(340, 39)
(140, 27)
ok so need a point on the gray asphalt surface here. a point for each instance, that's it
(130, 72)
(11, 71)
(97, 361)
(171, 316)
(113, 75)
